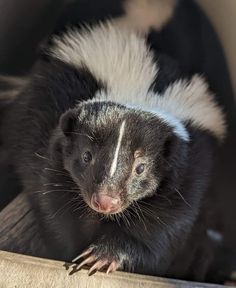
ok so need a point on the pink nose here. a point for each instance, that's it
(105, 204)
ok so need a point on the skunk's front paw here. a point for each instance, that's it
(100, 258)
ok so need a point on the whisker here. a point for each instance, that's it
(54, 170)
(129, 215)
(182, 197)
(62, 208)
(136, 211)
(40, 156)
(50, 191)
(142, 216)
(71, 182)
(126, 221)
(53, 184)
(150, 213)
(166, 198)
(82, 134)
(146, 203)
(117, 219)
(167, 162)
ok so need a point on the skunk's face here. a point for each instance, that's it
(115, 155)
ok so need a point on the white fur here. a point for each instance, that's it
(116, 154)
(121, 59)
(116, 56)
(178, 127)
(192, 101)
(181, 102)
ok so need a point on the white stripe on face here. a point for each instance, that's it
(114, 162)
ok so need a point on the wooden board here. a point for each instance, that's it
(25, 271)
(19, 230)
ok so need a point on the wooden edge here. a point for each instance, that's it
(18, 270)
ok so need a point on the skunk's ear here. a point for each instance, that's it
(68, 122)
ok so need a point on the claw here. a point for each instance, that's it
(74, 269)
(85, 253)
(113, 267)
(92, 261)
(97, 266)
(87, 261)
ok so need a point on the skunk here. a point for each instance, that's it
(114, 146)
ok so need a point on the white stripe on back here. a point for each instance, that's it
(114, 162)
(178, 127)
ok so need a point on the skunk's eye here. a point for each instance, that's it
(140, 168)
(87, 157)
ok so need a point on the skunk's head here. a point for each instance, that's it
(116, 155)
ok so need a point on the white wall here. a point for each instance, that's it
(222, 14)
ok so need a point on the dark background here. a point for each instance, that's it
(25, 26)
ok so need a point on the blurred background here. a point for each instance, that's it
(222, 14)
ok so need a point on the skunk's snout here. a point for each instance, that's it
(106, 204)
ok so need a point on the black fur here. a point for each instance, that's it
(40, 148)
(169, 72)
